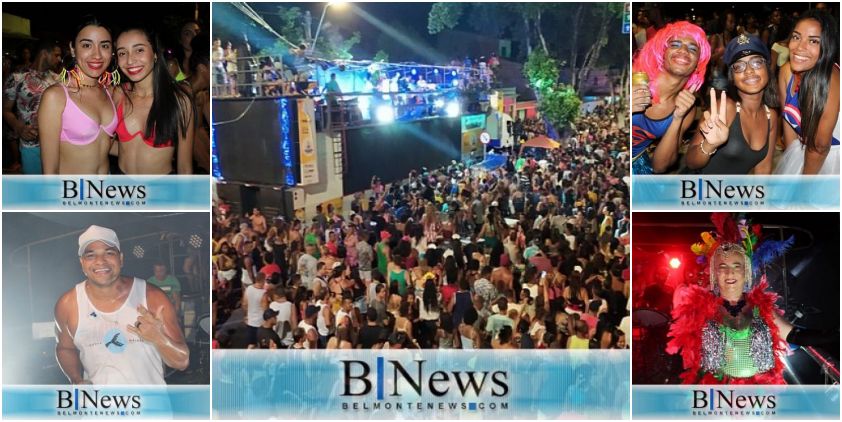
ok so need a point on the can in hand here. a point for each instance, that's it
(640, 78)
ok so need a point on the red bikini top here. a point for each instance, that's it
(124, 136)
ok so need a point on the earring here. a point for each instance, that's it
(109, 78)
(115, 77)
(74, 73)
(104, 79)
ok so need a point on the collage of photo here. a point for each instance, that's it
(420, 210)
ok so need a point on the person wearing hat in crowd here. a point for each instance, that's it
(267, 337)
(738, 133)
(114, 329)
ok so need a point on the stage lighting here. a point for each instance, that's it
(453, 73)
(138, 251)
(453, 109)
(363, 101)
(414, 71)
(675, 263)
(435, 71)
(385, 114)
(456, 82)
(439, 103)
(195, 241)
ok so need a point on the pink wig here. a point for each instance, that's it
(650, 58)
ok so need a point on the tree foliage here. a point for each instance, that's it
(541, 70)
(381, 56)
(560, 105)
(444, 16)
(558, 102)
(289, 22)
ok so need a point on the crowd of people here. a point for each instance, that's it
(773, 73)
(150, 116)
(532, 254)
(528, 128)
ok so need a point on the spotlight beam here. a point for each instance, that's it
(428, 53)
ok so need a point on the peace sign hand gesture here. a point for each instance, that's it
(713, 128)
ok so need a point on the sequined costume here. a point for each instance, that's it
(714, 351)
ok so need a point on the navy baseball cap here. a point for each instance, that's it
(744, 45)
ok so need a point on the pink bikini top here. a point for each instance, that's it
(78, 128)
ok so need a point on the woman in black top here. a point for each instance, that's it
(737, 137)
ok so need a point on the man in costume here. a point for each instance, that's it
(674, 63)
(731, 332)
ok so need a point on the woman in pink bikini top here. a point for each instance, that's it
(155, 115)
(77, 118)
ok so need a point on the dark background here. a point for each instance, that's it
(249, 149)
(59, 21)
(391, 150)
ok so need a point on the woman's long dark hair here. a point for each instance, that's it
(815, 83)
(169, 115)
(431, 301)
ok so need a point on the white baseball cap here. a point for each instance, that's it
(97, 233)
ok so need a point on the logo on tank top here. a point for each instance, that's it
(115, 341)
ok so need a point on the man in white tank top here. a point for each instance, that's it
(112, 329)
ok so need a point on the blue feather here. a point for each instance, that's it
(770, 250)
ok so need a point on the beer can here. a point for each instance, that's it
(640, 78)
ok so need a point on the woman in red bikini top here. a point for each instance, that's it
(76, 118)
(155, 116)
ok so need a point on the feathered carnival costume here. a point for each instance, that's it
(712, 349)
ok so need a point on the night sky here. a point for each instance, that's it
(408, 19)
(59, 21)
(401, 15)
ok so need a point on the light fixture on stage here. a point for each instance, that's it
(138, 252)
(453, 109)
(438, 103)
(195, 241)
(675, 263)
(363, 101)
(453, 73)
(385, 114)
(413, 71)
(456, 82)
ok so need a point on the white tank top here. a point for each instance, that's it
(254, 296)
(110, 354)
